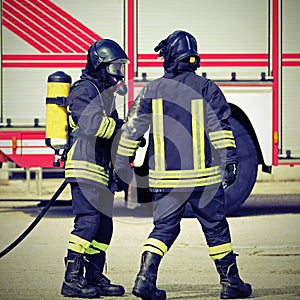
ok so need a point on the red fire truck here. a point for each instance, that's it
(250, 49)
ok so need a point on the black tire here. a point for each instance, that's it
(236, 194)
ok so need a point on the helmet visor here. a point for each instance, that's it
(117, 67)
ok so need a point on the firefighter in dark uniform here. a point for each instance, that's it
(93, 122)
(191, 147)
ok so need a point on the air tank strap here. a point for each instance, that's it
(61, 101)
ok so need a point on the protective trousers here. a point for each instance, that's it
(93, 224)
(208, 208)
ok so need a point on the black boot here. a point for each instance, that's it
(74, 284)
(145, 283)
(94, 275)
(232, 285)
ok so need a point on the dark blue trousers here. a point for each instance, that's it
(93, 208)
(208, 208)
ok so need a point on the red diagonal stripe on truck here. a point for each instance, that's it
(31, 41)
(47, 27)
(55, 27)
(28, 23)
(21, 28)
(80, 34)
(37, 21)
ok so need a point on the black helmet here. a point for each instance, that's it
(105, 51)
(105, 61)
(177, 47)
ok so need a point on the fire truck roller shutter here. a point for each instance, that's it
(58, 89)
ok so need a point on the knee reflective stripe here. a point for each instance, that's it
(78, 244)
(220, 251)
(155, 246)
(96, 247)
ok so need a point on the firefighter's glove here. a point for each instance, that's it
(229, 175)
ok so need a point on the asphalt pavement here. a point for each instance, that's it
(265, 234)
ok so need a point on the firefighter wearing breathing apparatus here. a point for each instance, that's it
(93, 123)
(192, 158)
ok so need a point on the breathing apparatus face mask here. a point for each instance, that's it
(164, 49)
(116, 71)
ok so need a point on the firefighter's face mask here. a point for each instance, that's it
(116, 70)
(117, 67)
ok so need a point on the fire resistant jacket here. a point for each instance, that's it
(94, 122)
(190, 135)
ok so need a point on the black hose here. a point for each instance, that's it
(36, 220)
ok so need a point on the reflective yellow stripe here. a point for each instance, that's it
(87, 170)
(199, 176)
(110, 130)
(106, 128)
(71, 122)
(92, 251)
(198, 133)
(184, 178)
(185, 183)
(158, 244)
(222, 139)
(158, 134)
(220, 251)
(221, 134)
(70, 119)
(84, 169)
(95, 247)
(125, 151)
(184, 174)
(125, 142)
(78, 244)
(152, 250)
(155, 246)
(71, 151)
(80, 164)
(103, 125)
(87, 175)
(127, 147)
(223, 144)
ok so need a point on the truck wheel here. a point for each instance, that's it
(238, 192)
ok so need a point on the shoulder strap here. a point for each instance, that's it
(86, 81)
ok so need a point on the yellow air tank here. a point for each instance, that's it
(58, 89)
